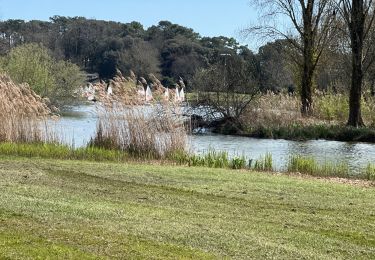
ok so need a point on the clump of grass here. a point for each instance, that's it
(340, 169)
(43, 150)
(214, 159)
(238, 162)
(211, 159)
(180, 157)
(370, 172)
(263, 164)
(308, 165)
(58, 151)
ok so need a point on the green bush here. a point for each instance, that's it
(33, 64)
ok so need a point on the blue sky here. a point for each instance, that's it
(207, 17)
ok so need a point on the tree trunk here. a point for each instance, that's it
(307, 79)
(308, 60)
(356, 34)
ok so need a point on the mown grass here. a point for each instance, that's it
(86, 210)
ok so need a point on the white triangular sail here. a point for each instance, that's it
(182, 95)
(109, 91)
(177, 96)
(166, 94)
(148, 94)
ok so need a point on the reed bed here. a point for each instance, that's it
(142, 132)
(22, 114)
(283, 110)
(221, 159)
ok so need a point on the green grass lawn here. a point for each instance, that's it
(83, 210)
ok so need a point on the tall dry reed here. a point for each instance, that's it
(150, 132)
(22, 113)
(283, 110)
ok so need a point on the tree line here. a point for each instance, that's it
(166, 49)
(329, 47)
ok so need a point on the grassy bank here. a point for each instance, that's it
(311, 132)
(80, 209)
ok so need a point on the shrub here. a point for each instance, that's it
(33, 64)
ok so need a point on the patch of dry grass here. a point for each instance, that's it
(148, 132)
(22, 113)
(283, 110)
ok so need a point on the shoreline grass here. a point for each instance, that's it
(312, 132)
(309, 166)
(211, 159)
(172, 212)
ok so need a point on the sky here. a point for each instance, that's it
(207, 17)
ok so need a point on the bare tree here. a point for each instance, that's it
(310, 32)
(359, 16)
(226, 89)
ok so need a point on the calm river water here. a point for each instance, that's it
(78, 125)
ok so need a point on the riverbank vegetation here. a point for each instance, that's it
(264, 118)
(211, 159)
(308, 165)
(128, 133)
